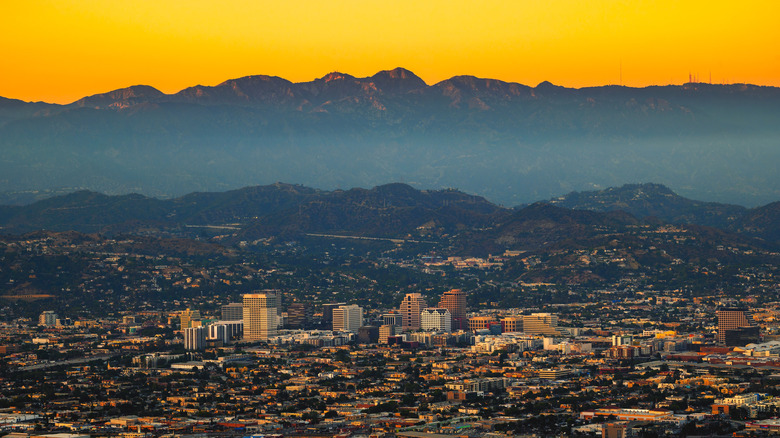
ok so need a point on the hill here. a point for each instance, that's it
(390, 210)
(653, 200)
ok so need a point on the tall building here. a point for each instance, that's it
(195, 338)
(385, 331)
(299, 315)
(735, 326)
(455, 301)
(233, 312)
(394, 319)
(541, 324)
(261, 319)
(48, 318)
(347, 318)
(411, 307)
(187, 317)
(327, 312)
(436, 319)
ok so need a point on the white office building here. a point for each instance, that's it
(436, 319)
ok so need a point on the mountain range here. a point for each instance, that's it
(392, 211)
(507, 142)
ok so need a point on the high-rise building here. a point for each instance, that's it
(736, 326)
(436, 319)
(187, 317)
(541, 324)
(347, 318)
(195, 338)
(455, 301)
(299, 315)
(411, 307)
(261, 319)
(327, 312)
(48, 318)
(233, 312)
(386, 331)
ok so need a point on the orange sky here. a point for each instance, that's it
(61, 50)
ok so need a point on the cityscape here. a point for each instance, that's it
(429, 366)
(362, 219)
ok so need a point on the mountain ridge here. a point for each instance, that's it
(505, 141)
(393, 210)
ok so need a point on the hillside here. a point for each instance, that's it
(653, 200)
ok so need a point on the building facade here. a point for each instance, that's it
(347, 318)
(735, 326)
(411, 308)
(226, 331)
(299, 315)
(233, 312)
(541, 324)
(512, 324)
(455, 301)
(186, 317)
(477, 323)
(261, 319)
(436, 319)
(194, 338)
(48, 318)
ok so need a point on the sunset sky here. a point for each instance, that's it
(61, 50)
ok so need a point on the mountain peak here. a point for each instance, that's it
(398, 80)
(336, 76)
(121, 98)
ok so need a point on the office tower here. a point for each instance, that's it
(394, 319)
(436, 319)
(48, 318)
(736, 326)
(386, 331)
(194, 338)
(347, 318)
(261, 319)
(187, 317)
(368, 334)
(512, 324)
(477, 323)
(299, 315)
(455, 301)
(541, 324)
(411, 307)
(327, 313)
(233, 312)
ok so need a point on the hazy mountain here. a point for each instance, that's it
(762, 222)
(508, 142)
(655, 200)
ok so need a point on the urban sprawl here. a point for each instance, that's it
(648, 366)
